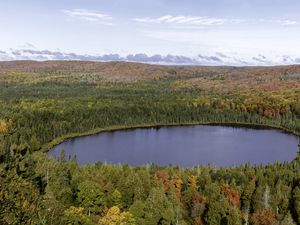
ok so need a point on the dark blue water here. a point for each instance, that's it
(185, 146)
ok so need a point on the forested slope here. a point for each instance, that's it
(41, 103)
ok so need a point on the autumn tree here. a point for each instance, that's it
(76, 216)
(265, 217)
(114, 216)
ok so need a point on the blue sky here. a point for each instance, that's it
(190, 27)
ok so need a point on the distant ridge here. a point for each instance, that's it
(217, 59)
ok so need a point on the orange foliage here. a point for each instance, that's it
(197, 198)
(164, 177)
(243, 108)
(232, 196)
(265, 217)
(222, 104)
(177, 186)
(197, 221)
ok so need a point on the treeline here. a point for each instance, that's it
(38, 190)
(47, 102)
(39, 121)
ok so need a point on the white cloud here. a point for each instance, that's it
(90, 15)
(286, 22)
(245, 41)
(282, 22)
(201, 21)
(186, 20)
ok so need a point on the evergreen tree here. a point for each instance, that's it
(216, 206)
(296, 203)
(90, 197)
(158, 209)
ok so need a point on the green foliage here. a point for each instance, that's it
(137, 210)
(95, 187)
(158, 209)
(43, 103)
(296, 201)
(233, 217)
(90, 197)
(216, 207)
(288, 220)
(19, 201)
(116, 199)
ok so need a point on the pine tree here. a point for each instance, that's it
(216, 206)
(90, 197)
(158, 209)
(296, 203)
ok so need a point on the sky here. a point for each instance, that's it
(239, 28)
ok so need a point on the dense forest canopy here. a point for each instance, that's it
(43, 103)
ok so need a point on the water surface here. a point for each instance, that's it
(184, 146)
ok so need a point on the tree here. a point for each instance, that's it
(296, 203)
(192, 180)
(288, 220)
(76, 216)
(197, 213)
(246, 197)
(234, 216)
(164, 177)
(158, 209)
(260, 198)
(90, 197)
(53, 207)
(265, 217)
(232, 196)
(216, 206)
(280, 200)
(5, 126)
(60, 184)
(137, 209)
(115, 199)
(20, 200)
(115, 217)
(177, 182)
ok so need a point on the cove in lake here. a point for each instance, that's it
(185, 146)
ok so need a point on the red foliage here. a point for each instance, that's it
(232, 196)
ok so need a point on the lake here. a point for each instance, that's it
(185, 146)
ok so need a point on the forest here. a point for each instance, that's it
(45, 103)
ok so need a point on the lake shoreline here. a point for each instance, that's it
(47, 147)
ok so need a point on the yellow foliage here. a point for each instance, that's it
(4, 126)
(177, 185)
(193, 182)
(76, 215)
(114, 216)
